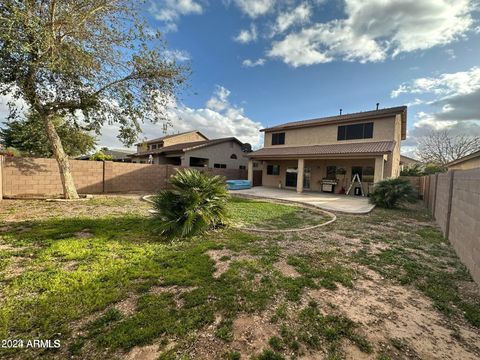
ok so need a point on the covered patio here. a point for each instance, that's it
(330, 202)
(325, 168)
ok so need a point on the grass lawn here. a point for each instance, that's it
(269, 215)
(98, 277)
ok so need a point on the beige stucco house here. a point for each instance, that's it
(192, 149)
(324, 154)
(468, 162)
(406, 162)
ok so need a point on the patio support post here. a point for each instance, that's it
(378, 174)
(300, 170)
(250, 171)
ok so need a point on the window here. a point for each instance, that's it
(273, 169)
(255, 164)
(357, 170)
(233, 156)
(355, 131)
(242, 167)
(278, 138)
(154, 146)
(365, 172)
(331, 172)
(220, 166)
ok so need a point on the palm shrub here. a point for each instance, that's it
(196, 203)
(392, 192)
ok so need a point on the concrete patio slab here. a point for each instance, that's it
(330, 202)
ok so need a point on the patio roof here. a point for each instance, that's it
(315, 151)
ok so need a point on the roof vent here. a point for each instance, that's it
(378, 104)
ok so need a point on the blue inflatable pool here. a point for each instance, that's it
(238, 184)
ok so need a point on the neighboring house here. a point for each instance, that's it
(118, 155)
(406, 162)
(324, 154)
(471, 161)
(192, 149)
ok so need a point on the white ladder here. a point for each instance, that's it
(356, 177)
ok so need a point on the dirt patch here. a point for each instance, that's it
(221, 263)
(223, 258)
(393, 312)
(15, 267)
(286, 269)
(177, 291)
(127, 306)
(84, 234)
(251, 334)
(150, 352)
(19, 210)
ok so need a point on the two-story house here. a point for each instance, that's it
(194, 149)
(325, 154)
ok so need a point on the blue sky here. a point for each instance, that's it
(261, 63)
(258, 63)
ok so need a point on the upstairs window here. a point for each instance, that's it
(355, 131)
(278, 138)
(233, 156)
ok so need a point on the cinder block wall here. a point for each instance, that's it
(441, 201)
(129, 177)
(24, 177)
(454, 199)
(464, 230)
(41, 177)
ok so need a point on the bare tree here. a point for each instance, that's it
(441, 147)
(89, 62)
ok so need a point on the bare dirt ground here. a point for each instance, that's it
(100, 205)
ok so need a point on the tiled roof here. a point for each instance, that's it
(370, 148)
(187, 146)
(170, 136)
(364, 115)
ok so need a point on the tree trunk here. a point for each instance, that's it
(69, 190)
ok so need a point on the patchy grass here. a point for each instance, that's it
(422, 257)
(66, 278)
(269, 215)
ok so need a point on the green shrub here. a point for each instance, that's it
(392, 192)
(196, 203)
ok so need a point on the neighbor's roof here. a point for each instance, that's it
(407, 158)
(187, 146)
(368, 148)
(364, 115)
(465, 158)
(170, 136)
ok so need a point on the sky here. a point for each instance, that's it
(259, 63)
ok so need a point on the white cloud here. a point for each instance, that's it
(300, 15)
(253, 63)
(454, 101)
(169, 11)
(448, 84)
(255, 8)
(219, 118)
(246, 36)
(376, 29)
(323, 43)
(219, 100)
(177, 55)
